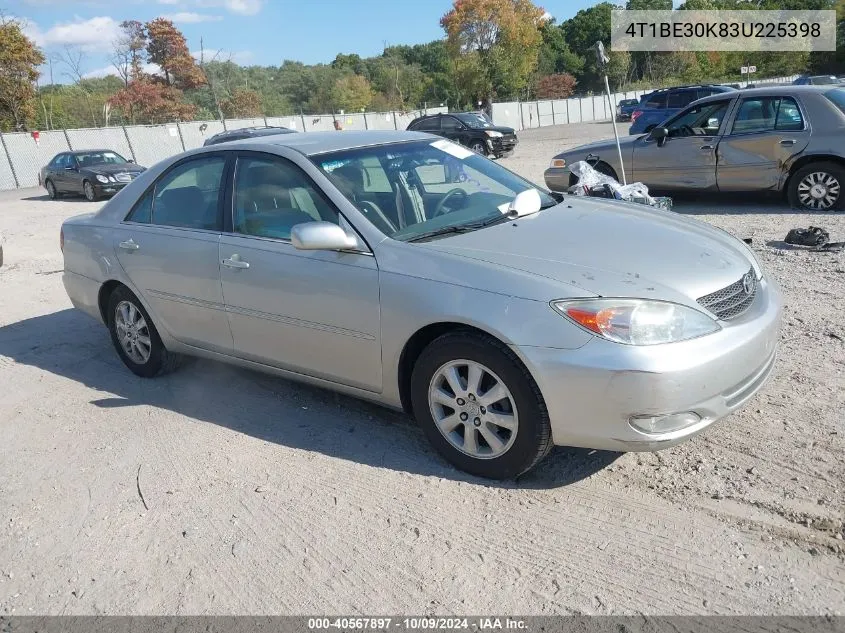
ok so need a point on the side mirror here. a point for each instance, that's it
(659, 134)
(525, 203)
(130, 160)
(321, 236)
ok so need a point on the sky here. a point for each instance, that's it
(264, 32)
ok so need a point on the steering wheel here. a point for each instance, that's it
(372, 206)
(439, 209)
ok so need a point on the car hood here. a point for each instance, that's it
(498, 128)
(625, 142)
(610, 248)
(111, 168)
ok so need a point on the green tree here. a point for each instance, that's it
(19, 61)
(352, 93)
(505, 37)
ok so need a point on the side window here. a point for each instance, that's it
(789, 115)
(681, 99)
(761, 114)
(431, 124)
(142, 212)
(450, 124)
(58, 161)
(656, 101)
(188, 195)
(700, 120)
(272, 195)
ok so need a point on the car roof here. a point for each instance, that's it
(90, 151)
(774, 91)
(332, 141)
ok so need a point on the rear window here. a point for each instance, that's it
(656, 101)
(837, 97)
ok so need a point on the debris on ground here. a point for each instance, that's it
(592, 182)
(815, 237)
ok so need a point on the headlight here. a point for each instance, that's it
(101, 178)
(493, 133)
(637, 321)
(558, 162)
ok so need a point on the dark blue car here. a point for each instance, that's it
(625, 108)
(655, 107)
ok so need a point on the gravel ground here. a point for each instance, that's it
(218, 490)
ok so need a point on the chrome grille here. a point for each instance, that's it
(123, 177)
(732, 301)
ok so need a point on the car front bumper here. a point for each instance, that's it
(502, 146)
(593, 392)
(108, 189)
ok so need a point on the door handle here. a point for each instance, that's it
(788, 141)
(706, 147)
(129, 245)
(235, 262)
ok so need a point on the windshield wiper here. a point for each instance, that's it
(460, 228)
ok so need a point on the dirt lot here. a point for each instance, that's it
(217, 490)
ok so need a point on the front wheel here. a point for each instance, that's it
(817, 187)
(135, 337)
(479, 406)
(88, 190)
(478, 147)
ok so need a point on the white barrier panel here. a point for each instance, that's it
(293, 122)
(587, 109)
(379, 120)
(153, 143)
(319, 122)
(238, 124)
(28, 157)
(193, 136)
(113, 138)
(561, 111)
(545, 113)
(353, 121)
(7, 178)
(507, 115)
(530, 118)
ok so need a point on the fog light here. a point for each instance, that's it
(657, 424)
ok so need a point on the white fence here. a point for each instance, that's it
(21, 157)
(524, 115)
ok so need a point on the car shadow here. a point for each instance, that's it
(710, 203)
(67, 197)
(70, 344)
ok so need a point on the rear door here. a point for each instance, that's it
(168, 247)
(764, 133)
(687, 159)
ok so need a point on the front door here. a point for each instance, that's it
(765, 133)
(311, 312)
(687, 157)
(168, 247)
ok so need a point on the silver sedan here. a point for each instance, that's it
(408, 270)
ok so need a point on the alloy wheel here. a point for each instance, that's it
(89, 191)
(132, 332)
(473, 409)
(818, 190)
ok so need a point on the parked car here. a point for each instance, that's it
(471, 130)
(244, 133)
(413, 272)
(625, 108)
(659, 105)
(816, 80)
(782, 138)
(94, 173)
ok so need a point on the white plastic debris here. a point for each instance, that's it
(594, 183)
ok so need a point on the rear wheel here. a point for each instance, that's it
(135, 337)
(479, 406)
(51, 190)
(817, 187)
(88, 190)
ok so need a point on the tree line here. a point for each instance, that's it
(491, 50)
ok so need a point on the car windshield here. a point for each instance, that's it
(98, 158)
(837, 97)
(414, 188)
(475, 121)
(627, 102)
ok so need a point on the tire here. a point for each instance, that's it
(51, 190)
(519, 449)
(817, 187)
(607, 170)
(158, 361)
(90, 193)
(478, 147)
